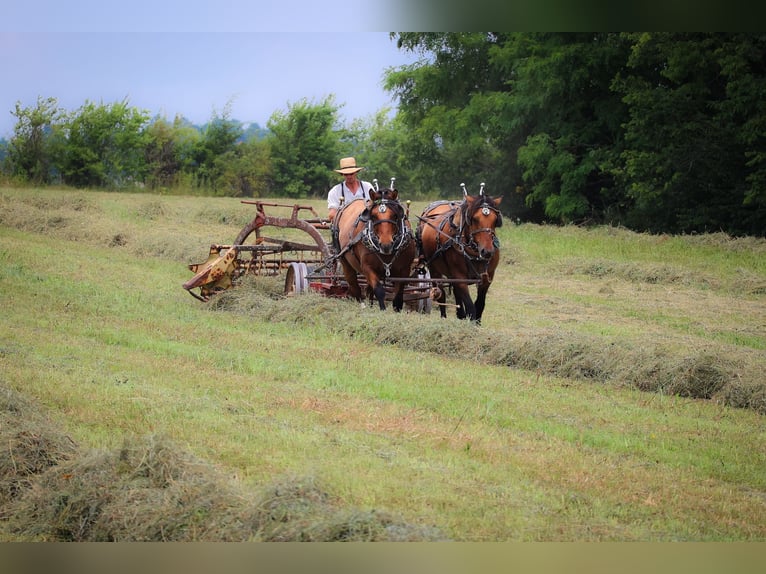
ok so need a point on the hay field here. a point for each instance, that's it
(615, 390)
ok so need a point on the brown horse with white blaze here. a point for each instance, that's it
(375, 240)
(457, 241)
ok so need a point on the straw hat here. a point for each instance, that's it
(348, 165)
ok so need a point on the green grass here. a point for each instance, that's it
(412, 415)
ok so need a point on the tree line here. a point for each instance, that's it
(659, 132)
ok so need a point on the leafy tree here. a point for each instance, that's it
(379, 143)
(246, 170)
(169, 151)
(4, 144)
(450, 103)
(29, 150)
(219, 139)
(253, 131)
(695, 158)
(103, 146)
(305, 146)
(523, 112)
(570, 120)
(658, 131)
(163, 166)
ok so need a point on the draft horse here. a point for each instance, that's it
(375, 239)
(457, 241)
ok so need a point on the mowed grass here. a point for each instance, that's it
(613, 392)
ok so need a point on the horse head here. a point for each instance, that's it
(387, 225)
(481, 216)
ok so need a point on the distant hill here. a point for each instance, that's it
(250, 130)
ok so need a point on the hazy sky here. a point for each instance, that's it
(197, 73)
(195, 57)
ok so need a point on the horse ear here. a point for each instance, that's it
(394, 194)
(497, 201)
(375, 195)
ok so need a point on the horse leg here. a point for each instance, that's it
(399, 298)
(380, 294)
(376, 287)
(481, 299)
(464, 302)
(459, 308)
(353, 284)
(442, 300)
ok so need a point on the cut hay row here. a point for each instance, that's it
(153, 491)
(699, 374)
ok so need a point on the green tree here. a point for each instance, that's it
(695, 156)
(451, 104)
(305, 146)
(663, 132)
(245, 170)
(103, 145)
(380, 144)
(523, 112)
(163, 165)
(4, 144)
(571, 122)
(218, 142)
(169, 151)
(29, 150)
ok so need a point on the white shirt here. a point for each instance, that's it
(334, 195)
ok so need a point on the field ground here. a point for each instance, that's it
(615, 390)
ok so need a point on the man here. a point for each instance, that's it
(349, 189)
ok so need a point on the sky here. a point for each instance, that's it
(198, 74)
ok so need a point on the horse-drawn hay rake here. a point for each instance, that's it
(307, 265)
(374, 246)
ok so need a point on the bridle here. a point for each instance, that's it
(402, 237)
(470, 234)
